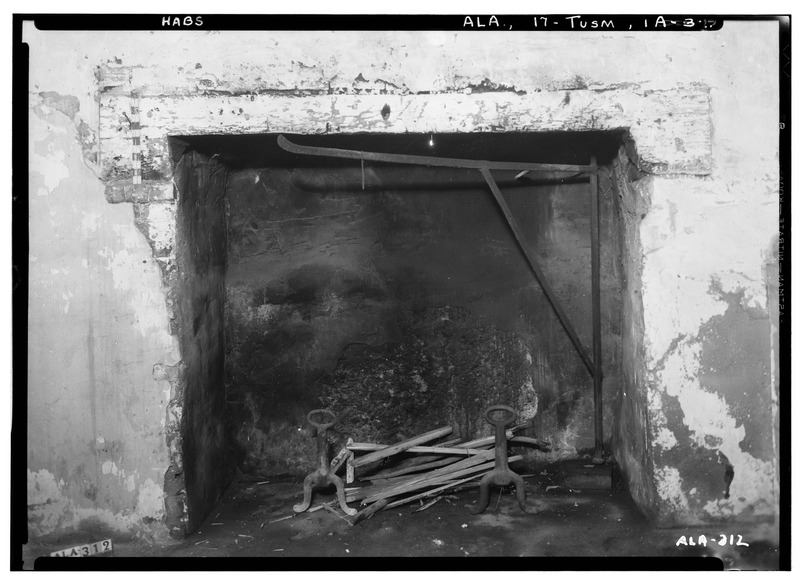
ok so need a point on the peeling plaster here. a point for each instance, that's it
(120, 265)
(708, 417)
(47, 160)
(51, 508)
(92, 279)
(90, 223)
(701, 236)
(665, 438)
(688, 265)
(446, 110)
(42, 487)
(161, 222)
(125, 267)
(669, 487)
(47, 508)
(151, 500)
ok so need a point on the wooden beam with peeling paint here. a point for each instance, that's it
(672, 128)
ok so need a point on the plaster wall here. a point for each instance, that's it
(702, 108)
(98, 337)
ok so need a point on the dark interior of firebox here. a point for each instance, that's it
(394, 295)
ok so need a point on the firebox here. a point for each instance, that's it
(386, 278)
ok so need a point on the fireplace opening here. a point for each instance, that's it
(398, 297)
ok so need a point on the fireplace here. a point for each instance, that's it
(195, 288)
(395, 295)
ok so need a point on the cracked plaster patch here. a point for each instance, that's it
(126, 269)
(670, 488)
(49, 509)
(161, 225)
(46, 158)
(151, 500)
(90, 223)
(707, 415)
(681, 286)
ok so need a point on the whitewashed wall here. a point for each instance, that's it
(702, 108)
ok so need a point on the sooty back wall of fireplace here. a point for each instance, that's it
(398, 297)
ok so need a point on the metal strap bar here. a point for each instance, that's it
(426, 160)
(594, 194)
(537, 271)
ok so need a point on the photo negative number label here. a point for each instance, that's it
(100, 547)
